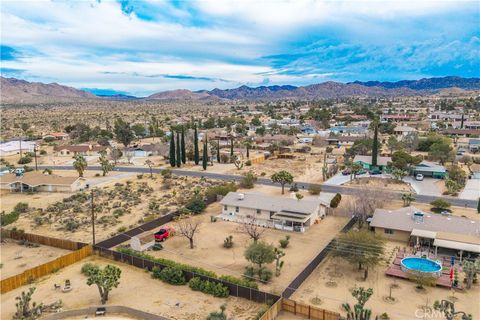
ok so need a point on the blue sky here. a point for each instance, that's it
(142, 47)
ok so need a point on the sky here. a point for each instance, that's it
(142, 47)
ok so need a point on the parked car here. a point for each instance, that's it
(163, 234)
(419, 177)
(375, 172)
(346, 172)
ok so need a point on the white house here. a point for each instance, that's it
(272, 211)
(13, 147)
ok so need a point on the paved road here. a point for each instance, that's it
(268, 182)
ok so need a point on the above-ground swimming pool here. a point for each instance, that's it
(421, 264)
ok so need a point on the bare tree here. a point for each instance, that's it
(187, 228)
(129, 155)
(251, 228)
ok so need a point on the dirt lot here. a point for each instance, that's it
(380, 183)
(210, 254)
(408, 299)
(137, 290)
(16, 258)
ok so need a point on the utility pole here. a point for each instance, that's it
(93, 217)
(35, 153)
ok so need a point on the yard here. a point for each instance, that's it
(137, 290)
(380, 183)
(330, 284)
(16, 258)
(210, 254)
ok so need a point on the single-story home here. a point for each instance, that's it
(13, 147)
(430, 169)
(56, 136)
(272, 211)
(355, 130)
(145, 150)
(81, 149)
(462, 132)
(36, 181)
(343, 140)
(444, 232)
(403, 130)
(474, 145)
(366, 162)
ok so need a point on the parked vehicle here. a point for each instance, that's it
(163, 234)
(419, 177)
(346, 172)
(375, 172)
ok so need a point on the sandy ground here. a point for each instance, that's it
(16, 258)
(209, 243)
(409, 300)
(137, 290)
(379, 183)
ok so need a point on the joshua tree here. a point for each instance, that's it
(106, 165)
(279, 254)
(106, 279)
(80, 164)
(359, 312)
(471, 268)
(282, 177)
(150, 165)
(299, 196)
(24, 310)
(448, 309)
(362, 295)
(407, 198)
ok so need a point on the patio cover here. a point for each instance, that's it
(423, 233)
(470, 247)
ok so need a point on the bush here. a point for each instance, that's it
(221, 190)
(284, 242)
(139, 176)
(25, 159)
(248, 181)
(265, 275)
(8, 218)
(21, 207)
(209, 287)
(440, 205)
(228, 242)
(169, 275)
(241, 282)
(87, 267)
(248, 163)
(314, 189)
(294, 188)
(43, 152)
(249, 272)
(335, 200)
(166, 173)
(215, 315)
(196, 205)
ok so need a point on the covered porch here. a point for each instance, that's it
(291, 221)
(22, 187)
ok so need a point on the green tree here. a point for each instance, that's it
(282, 177)
(178, 155)
(407, 198)
(375, 145)
(260, 253)
(106, 279)
(123, 133)
(139, 130)
(248, 181)
(172, 149)
(404, 161)
(184, 154)
(399, 174)
(362, 295)
(105, 164)
(80, 164)
(457, 174)
(364, 248)
(196, 154)
(441, 152)
(205, 154)
(440, 204)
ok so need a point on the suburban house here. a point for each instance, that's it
(397, 117)
(55, 136)
(342, 140)
(462, 132)
(430, 169)
(147, 150)
(81, 149)
(366, 162)
(352, 130)
(272, 211)
(36, 181)
(442, 233)
(13, 147)
(403, 130)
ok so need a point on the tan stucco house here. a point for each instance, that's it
(36, 181)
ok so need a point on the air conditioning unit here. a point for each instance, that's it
(241, 196)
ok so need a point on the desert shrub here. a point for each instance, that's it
(87, 267)
(228, 242)
(241, 282)
(265, 275)
(25, 159)
(221, 190)
(118, 212)
(335, 200)
(166, 173)
(139, 176)
(196, 205)
(248, 181)
(294, 188)
(21, 207)
(154, 206)
(97, 174)
(169, 275)
(261, 312)
(43, 152)
(439, 205)
(216, 315)
(70, 224)
(248, 163)
(8, 218)
(314, 189)
(209, 287)
(284, 242)
(122, 229)
(249, 272)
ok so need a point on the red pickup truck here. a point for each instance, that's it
(163, 233)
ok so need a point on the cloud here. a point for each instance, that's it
(146, 46)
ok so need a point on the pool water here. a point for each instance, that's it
(421, 264)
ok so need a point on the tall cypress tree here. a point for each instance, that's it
(231, 147)
(218, 151)
(248, 151)
(463, 119)
(196, 154)
(375, 145)
(179, 153)
(172, 149)
(205, 154)
(184, 155)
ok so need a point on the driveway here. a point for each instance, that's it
(471, 190)
(425, 187)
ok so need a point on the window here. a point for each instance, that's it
(271, 214)
(225, 208)
(259, 211)
(237, 209)
(388, 231)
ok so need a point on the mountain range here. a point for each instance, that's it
(21, 91)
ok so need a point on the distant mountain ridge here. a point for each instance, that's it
(21, 91)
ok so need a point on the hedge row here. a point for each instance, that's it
(186, 267)
(208, 287)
